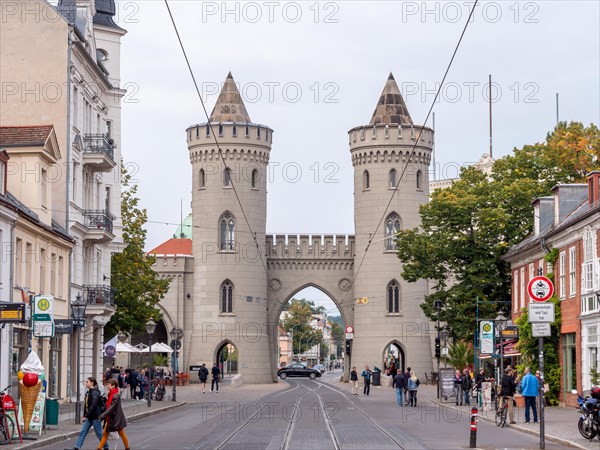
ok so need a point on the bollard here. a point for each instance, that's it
(473, 442)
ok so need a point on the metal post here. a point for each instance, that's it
(175, 367)
(150, 372)
(541, 392)
(78, 403)
(438, 358)
(473, 437)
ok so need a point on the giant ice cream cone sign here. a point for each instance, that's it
(29, 387)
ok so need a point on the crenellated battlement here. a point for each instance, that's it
(310, 246)
(404, 135)
(227, 132)
(372, 156)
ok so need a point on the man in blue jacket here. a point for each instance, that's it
(530, 387)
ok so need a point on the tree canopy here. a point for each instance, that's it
(468, 227)
(298, 321)
(139, 289)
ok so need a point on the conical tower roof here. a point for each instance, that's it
(230, 106)
(391, 108)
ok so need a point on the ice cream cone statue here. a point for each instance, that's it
(31, 376)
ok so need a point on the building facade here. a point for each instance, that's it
(243, 277)
(568, 221)
(70, 80)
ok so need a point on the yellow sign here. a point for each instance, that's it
(43, 304)
(11, 315)
(362, 300)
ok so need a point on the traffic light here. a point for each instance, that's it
(348, 346)
(437, 348)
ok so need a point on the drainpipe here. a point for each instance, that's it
(11, 287)
(544, 246)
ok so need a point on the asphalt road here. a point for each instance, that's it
(313, 415)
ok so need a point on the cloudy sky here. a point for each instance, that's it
(314, 70)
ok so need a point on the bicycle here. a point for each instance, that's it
(501, 411)
(7, 425)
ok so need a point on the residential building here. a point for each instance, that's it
(568, 221)
(61, 67)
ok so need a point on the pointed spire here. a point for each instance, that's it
(230, 106)
(391, 108)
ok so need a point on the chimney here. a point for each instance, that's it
(543, 214)
(593, 179)
(567, 198)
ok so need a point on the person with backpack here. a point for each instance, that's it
(114, 415)
(466, 384)
(413, 385)
(203, 375)
(94, 404)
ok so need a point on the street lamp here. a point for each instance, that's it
(438, 305)
(175, 334)
(500, 322)
(78, 315)
(150, 327)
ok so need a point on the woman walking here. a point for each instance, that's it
(354, 381)
(91, 412)
(114, 415)
(413, 385)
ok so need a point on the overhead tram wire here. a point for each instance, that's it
(212, 131)
(372, 235)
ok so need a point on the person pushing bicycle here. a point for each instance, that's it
(507, 392)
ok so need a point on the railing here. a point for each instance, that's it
(99, 143)
(99, 219)
(99, 295)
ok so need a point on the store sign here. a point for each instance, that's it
(486, 336)
(12, 312)
(511, 332)
(63, 326)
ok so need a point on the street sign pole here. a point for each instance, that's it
(541, 392)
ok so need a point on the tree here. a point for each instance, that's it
(460, 354)
(467, 228)
(139, 288)
(299, 322)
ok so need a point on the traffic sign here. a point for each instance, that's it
(541, 312)
(445, 351)
(349, 335)
(349, 329)
(540, 289)
(540, 330)
(176, 344)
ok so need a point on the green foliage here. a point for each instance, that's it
(468, 227)
(139, 289)
(159, 360)
(298, 320)
(460, 354)
(528, 346)
(594, 377)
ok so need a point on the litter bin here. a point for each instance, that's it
(376, 376)
(51, 413)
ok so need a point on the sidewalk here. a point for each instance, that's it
(560, 423)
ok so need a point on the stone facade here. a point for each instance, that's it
(243, 276)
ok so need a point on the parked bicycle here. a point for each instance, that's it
(7, 426)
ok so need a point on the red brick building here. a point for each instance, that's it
(568, 221)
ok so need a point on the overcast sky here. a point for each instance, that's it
(313, 70)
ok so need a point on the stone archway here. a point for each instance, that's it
(226, 356)
(394, 353)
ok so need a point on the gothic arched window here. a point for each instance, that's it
(227, 232)
(392, 178)
(366, 180)
(392, 227)
(393, 297)
(227, 297)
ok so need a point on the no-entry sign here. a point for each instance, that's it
(540, 289)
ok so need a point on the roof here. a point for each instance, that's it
(230, 106)
(27, 135)
(185, 229)
(391, 108)
(173, 247)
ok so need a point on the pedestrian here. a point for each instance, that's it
(413, 385)
(366, 376)
(398, 383)
(458, 387)
(406, 378)
(508, 387)
(114, 415)
(133, 383)
(107, 374)
(91, 412)
(479, 379)
(203, 375)
(466, 385)
(393, 371)
(529, 388)
(215, 377)
(354, 381)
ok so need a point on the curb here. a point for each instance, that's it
(547, 437)
(70, 434)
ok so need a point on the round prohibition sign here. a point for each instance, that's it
(540, 289)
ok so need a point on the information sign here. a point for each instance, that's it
(12, 312)
(540, 330)
(447, 380)
(541, 312)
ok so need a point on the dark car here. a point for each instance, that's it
(297, 370)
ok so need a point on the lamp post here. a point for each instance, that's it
(150, 327)
(175, 334)
(438, 305)
(500, 322)
(444, 337)
(78, 315)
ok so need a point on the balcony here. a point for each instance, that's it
(99, 152)
(99, 295)
(98, 225)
